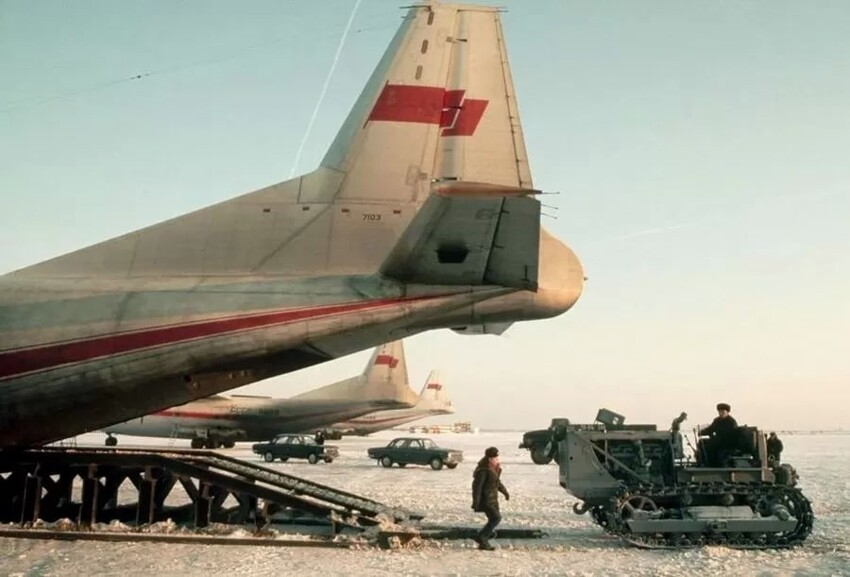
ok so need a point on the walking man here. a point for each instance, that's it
(486, 486)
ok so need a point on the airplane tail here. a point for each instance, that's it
(438, 117)
(384, 380)
(433, 395)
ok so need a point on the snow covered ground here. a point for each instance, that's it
(574, 547)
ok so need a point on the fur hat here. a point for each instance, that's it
(723, 407)
(491, 452)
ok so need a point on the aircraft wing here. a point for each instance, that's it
(479, 239)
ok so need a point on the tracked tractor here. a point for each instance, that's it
(637, 483)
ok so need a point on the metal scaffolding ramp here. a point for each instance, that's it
(90, 485)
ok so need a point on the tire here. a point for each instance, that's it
(283, 459)
(436, 463)
(229, 444)
(110, 441)
(313, 458)
(328, 460)
(268, 457)
(540, 455)
(197, 443)
(386, 462)
(451, 465)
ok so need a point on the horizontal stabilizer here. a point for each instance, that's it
(474, 239)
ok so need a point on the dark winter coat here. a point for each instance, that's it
(486, 486)
(724, 430)
(774, 447)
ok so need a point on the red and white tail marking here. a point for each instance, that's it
(387, 360)
(456, 115)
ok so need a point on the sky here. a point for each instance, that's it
(699, 149)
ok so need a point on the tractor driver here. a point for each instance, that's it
(723, 433)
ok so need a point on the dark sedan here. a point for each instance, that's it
(285, 447)
(416, 451)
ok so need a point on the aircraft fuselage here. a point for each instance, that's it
(102, 352)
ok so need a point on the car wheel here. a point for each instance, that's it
(451, 465)
(386, 462)
(268, 457)
(197, 443)
(436, 463)
(229, 444)
(283, 459)
(313, 458)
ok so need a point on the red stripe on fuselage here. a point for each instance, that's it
(238, 417)
(18, 362)
(199, 415)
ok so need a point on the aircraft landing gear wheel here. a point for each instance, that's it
(313, 458)
(197, 443)
(328, 460)
(386, 462)
(110, 441)
(436, 463)
(229, 444)
(451, 465)
(268, 457)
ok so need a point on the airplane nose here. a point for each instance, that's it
(560, 278)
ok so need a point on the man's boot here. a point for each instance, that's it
(484, 545)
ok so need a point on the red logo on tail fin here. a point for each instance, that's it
(435, 386)
(458, 116)
(388, 360)
(461, 116)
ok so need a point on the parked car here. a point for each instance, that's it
(415, 451)
(286, 447)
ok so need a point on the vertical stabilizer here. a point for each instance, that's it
(387, 365)
(433, 395)
(383, 379)
(439, 111)
(440, 106)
